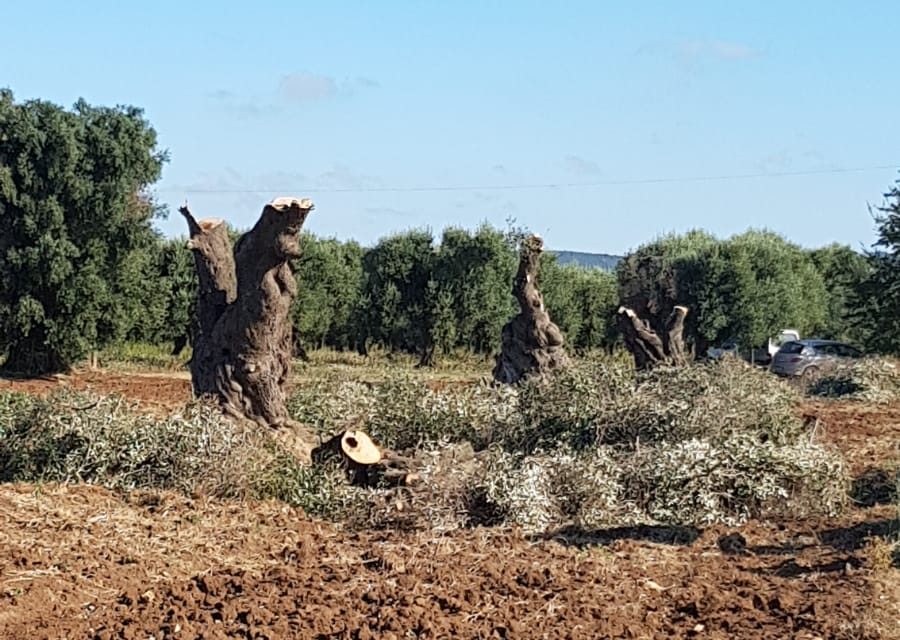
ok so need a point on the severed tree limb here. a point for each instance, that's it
(217, 288)
(649, 347)
(366, 464)
(674, 344)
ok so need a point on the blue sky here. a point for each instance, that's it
(356, 103)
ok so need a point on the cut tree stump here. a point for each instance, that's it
(366, 464)
(531, 344)
(242, 346)
(653, 347)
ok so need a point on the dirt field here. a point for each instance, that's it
(153, 391)
(81, 562)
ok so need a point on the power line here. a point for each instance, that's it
(546, 185)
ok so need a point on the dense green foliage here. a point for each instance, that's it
(330, 273)
(76, 226)
(844, 272)
(471, 297)
(668, 272)
(748, 287)
(396, 273)
(409, 293)
(412, 294)
(758, 284)
(878, 297)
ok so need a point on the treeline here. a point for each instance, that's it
(419, 294)
(82, 267)
(410, 292)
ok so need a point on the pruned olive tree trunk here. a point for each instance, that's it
(531, 343)
(243, 341)
(654, 342)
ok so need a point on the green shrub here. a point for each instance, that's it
(328, 404)
(548, 490)
(592, 402)
(572, 407)
(321, 490)
(698, 482)
(695, 482)
(76, 437)
(405, 413)
(12, 406)
(408, 414)
(594, 446)
(713, 400)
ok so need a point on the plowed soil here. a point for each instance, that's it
(82, 562)
(157, 392)
(867, 434)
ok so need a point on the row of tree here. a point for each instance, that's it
(407, 293)
(413, 293)
(81, 266)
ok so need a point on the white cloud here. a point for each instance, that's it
(311, 87)
(340, 176)
(695, 50)
(242, 107)
(292, 89)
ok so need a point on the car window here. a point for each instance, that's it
(791, 347)
(846, 351)
(827, 350)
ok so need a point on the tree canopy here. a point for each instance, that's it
(74, 209)
(878, 298)
(748, 287)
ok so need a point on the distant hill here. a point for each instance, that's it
(598, 260)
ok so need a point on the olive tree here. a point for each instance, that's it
(74, 209)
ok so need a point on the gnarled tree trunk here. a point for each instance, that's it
(531, 343)
(652, 342)
(242, 346)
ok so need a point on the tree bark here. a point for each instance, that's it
(242, 347)
(531, 344)
(652, 347)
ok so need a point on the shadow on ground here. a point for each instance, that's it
(660, 534)
(873, 487)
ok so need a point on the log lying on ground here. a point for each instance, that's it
(531, 343)
(655, 347)
(366, 464)
(242, 346)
